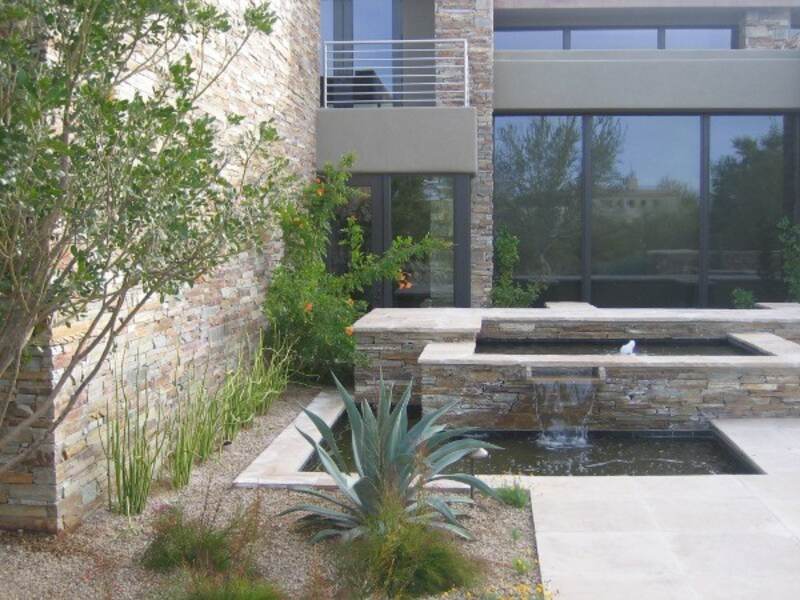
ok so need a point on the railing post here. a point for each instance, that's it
(325, 75)
(466, 73)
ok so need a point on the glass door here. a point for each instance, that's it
(412, 206)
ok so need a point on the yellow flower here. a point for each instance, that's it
(348, 330)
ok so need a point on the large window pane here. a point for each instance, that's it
(613, 39)
(645, 237)
(423, 205)
(529, 39)
(701, 39)
(747, 201)
(537, 195)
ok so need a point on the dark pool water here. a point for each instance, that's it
(605, 453)
(712, 347)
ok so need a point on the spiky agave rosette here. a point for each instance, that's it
(393, 463)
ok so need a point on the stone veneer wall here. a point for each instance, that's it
(394, 358)
(765, 28)
(275, 76)
(643, 398)
(473, 20)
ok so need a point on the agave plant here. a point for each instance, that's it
(393, 464)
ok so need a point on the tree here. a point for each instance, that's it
(106, 191)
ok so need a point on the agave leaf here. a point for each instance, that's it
(442, 508)
(399, 426)
(326, 514)
(329, 498)
(327, 534)
(369, 494)
(469, 480)
(338, 477)
(443, 457)
(417, 432)
(454, 529)
(327, 435)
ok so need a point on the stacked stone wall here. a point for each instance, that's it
(643, 398)
(204, 328)
(473, 20)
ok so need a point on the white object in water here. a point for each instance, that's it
(628, 348)
(479, 454)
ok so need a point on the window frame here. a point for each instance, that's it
(791, 138)
(661, 33)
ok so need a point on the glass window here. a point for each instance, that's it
(701, 39)
(423, 205)
(645, 206)
(613, 39)
(537, 195)
(747, 201)
(529, 39)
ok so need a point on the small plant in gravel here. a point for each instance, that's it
(232, 588)
(514, 495)
(202, 545)
(134, 445)
(392, 462)
(521, 566)
(399, 558)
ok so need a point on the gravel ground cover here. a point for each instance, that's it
(101, 558)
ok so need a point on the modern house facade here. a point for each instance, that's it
(643, 152)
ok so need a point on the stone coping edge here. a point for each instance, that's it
(779, 354)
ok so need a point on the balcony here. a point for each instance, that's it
(400, 106)
(395, 73)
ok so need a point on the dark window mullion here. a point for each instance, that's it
(586, 208)
(567, 38)
(462, 256)
(662, 38)
(386, 230)
(705, 211)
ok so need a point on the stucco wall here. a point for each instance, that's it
(276, 77)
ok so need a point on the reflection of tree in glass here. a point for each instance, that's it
(747, 203)
(537, 187)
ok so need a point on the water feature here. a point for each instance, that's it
(604, 453)
(646, 347)
(563, 407)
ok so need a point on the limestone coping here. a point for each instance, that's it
(469, 320)
(778, 353)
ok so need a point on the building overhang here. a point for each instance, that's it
(400, 140)
(642, 80)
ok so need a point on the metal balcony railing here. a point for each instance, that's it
(395, 73)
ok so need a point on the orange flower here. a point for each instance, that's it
(318, 180)
(403, 282)
(321, 191)
(348, 330)
(309, 307)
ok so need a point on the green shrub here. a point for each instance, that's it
(201, 545)
(789, 236)
(312, 308)
(393, 461)
(236, 588)
(134, 445)
(743, 299)
(406, 560)
(521, 565)
(505, 291)
(513, 495)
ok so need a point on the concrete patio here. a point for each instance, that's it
(688, 537)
